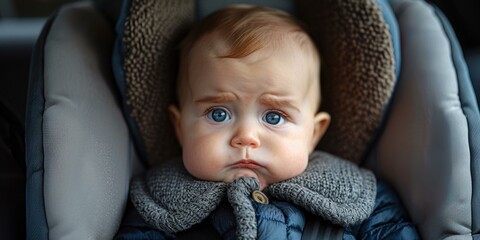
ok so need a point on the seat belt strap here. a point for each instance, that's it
(319, 229)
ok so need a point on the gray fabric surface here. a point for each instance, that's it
(168, 198)
(87, 152)
(185, 205)
(424, 151)
(332, 188)
(238, 193)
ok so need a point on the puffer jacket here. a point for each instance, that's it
(283, 220)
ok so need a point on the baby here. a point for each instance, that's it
(248, 122)
(249, 93)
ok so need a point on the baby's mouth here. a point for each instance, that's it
(246, 163)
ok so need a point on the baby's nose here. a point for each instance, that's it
(245, 137)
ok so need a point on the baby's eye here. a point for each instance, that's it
(218, 115)
(273, 118)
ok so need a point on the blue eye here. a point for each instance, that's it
(218, 115)
(273, 118)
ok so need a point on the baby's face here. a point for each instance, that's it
(251, 117)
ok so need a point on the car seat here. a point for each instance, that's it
(93, 120)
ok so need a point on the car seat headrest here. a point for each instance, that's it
(359, 71)
(145, 68)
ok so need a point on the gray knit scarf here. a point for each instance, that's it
(170, 199)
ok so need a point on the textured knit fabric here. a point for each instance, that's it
(172, 200)
(238, 193)
(330, 187)
(283, 220)
(357, 76)
(338, 191)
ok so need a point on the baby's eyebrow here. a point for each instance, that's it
(217, 99)
(277, 102)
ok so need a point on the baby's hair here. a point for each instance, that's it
(245, 29)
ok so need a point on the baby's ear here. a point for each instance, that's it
(175, 118)
(321, 122)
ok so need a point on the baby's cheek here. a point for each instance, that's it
(201, 158)
(194, 160)
(296, 158)
(297, 163)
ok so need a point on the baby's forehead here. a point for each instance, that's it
(288, 45)
(288, 53)
(298, 44)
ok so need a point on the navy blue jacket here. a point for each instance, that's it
(283, 220)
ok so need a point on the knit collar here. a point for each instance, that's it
(170, 199)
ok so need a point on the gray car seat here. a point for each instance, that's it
(83, 145)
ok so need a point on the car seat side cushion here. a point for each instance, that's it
(79, 149)
(426, 141)
(470, 108)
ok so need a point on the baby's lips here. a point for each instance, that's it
(247, 163)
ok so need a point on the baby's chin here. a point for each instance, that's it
(247, 174)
